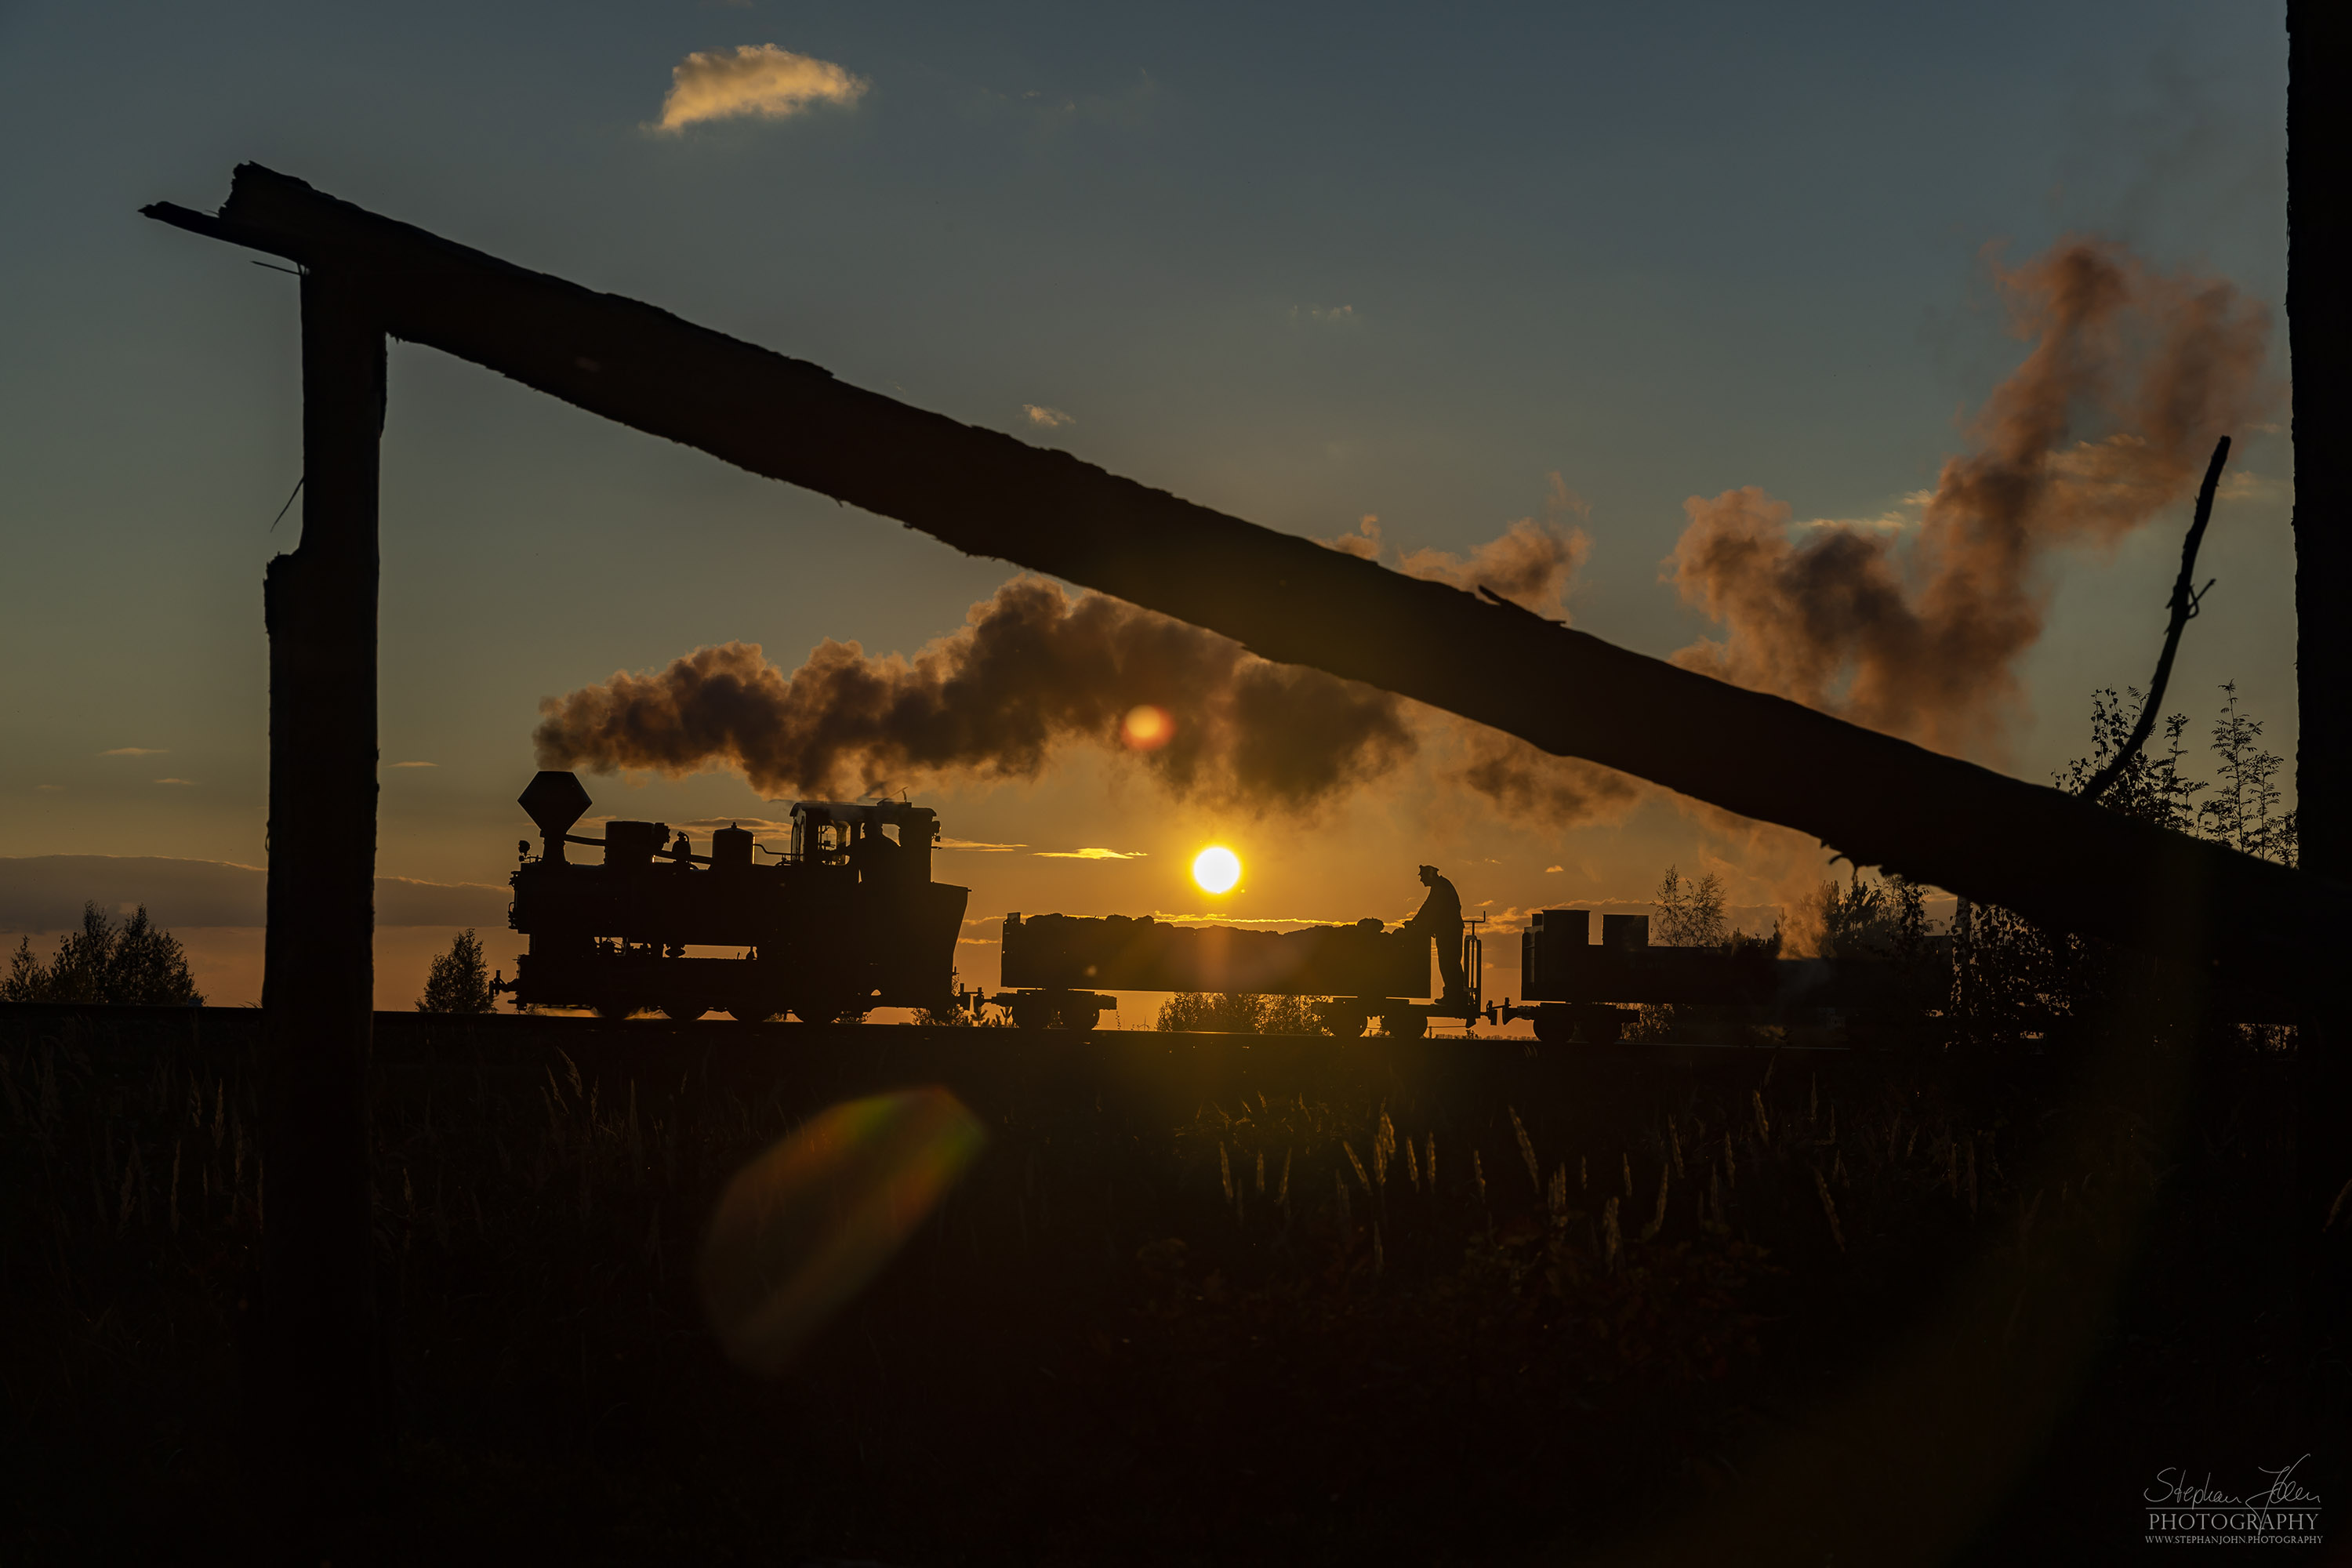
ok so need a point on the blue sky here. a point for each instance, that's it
(1303, 266)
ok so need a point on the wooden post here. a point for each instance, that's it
(2319, 337)
(316, 1382)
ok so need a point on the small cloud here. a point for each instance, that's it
(2245, 484)
(136, 752)
(1220, 918)
(712, 824)
(752, 82)
(416, 764)
(1090, 854)
(975, 845)
(1327, 315)
(1051, 419)
(189, 781)
(1550, 869)
(1365, 543)
(1904, 514)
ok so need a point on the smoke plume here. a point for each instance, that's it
(1034, 668)
(2132, 376)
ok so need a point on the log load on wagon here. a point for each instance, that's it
(1358, 972)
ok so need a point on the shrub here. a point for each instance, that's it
(1222, 1012)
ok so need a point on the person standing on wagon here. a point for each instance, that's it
(1440, 919)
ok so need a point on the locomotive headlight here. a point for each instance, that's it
(1216, 869)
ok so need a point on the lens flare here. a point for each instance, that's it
(1216, 869)
(1147, 729)
(805, 1228)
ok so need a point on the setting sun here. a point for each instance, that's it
(1216, 869)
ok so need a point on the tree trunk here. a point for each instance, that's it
(2319, 322)
(317, 1414)
(2319, 315)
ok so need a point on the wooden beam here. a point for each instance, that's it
(318, 1409)
(1876, 799)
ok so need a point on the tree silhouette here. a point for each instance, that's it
(1690, 914)
(459, 982)
(138, 962)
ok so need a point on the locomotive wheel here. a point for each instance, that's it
(684, 1012)
(751, 1013)
(1405, 1025)
(615, 1012)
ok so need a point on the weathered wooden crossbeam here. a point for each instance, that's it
(1874, 798)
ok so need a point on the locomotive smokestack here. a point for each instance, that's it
(555, 800)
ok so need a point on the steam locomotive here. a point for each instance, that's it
(847, 920)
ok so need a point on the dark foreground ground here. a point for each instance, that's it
(1665, 1306)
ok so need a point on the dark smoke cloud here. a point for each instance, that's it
(2111, 418)
(1034, 668)
(1532, 563)
(1535, 788)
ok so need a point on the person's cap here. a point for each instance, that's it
(1431, 870)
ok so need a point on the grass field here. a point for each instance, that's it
(1201, 1298)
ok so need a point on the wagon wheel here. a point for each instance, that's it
(613, 1011)
(1553, 1027)
(1405, 1025)
(684, 1012)
(835, 1009)
(1343, 1019)
(752, 1012)
(1032, 1012)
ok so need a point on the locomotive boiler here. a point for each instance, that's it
(846, 921)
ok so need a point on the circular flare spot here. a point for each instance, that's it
(805, 1228)
(1147, 728)
(1216, 869)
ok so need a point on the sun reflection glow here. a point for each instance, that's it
(1147, 729)
(805, 1228)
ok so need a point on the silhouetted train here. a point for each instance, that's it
(848, 920)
